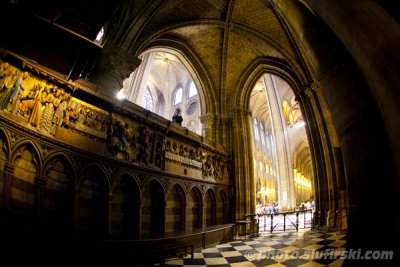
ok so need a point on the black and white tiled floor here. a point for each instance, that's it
(307, 248)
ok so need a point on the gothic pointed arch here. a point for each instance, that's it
(26, 158)
(175, 212)
(4, 156)
(49, 160)
(5, 143)
(194, 107)
(245, 184)
(95, 168)
(196, 68)
(153, 208)
(222, 207)
(93, 196)
(126, 204)
(59, 178)
(210, 204)
(32, 146)
(194, 209)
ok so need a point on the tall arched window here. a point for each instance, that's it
(100, 35)
(256, 130)
(178, 96)
(192, 89)
(262, 136)
(148, 100)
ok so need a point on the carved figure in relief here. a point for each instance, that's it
(70, 115)
(61, 107)
(182, 151)
(218, 168)
(119, 139)
(4, 74)
(159, 157)
(7, 88)
(192, 154)
(17, 92)
(168, 146)
(175, 148)
(199, 155)
(27, 101)
(81, 115)
(40, 99)
(46, 119)
(123, 132)
(208, 168)
(89, 119)
(144, 145)
(98, 122)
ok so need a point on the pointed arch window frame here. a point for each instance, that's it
(148, 100)
(179, 91)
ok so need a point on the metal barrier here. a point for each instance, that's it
(286, 221)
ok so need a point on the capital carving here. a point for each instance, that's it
(9, 168)
(207, 120)
(315, 86)
(312, 87)
(308, 92)
(112, 67)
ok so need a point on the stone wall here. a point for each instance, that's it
(72, 160)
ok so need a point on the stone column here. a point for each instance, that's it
(75, 208)
(112, 67)
(322, 190)
(8, 173)
(223, 130)
(164, 207)
(40, 184)
(286, 197)
(333, 162)
(208, 122)
(341, 211)
(109, 213)
(372, 38)
(243, 164)
(183, 213)
(139, 230)
(201, 215)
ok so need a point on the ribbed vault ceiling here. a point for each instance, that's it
(224, 36)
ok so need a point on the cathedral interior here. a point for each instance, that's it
(129, 126)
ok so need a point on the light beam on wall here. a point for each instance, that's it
(121, 94)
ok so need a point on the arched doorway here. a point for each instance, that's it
(277, 125)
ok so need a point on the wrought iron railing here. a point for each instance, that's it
(285, 221)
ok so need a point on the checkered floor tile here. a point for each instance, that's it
(307, 248)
